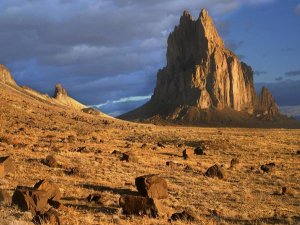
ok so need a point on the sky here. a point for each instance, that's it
(107, 52)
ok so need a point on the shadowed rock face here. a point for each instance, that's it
(266, 106)
(201, 75)
(6, 77)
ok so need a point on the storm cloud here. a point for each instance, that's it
(101, 51)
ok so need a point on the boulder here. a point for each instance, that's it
(215, 171)
(234, 162)
(94, 198)
(139, 205)
(187, 153)
(51, 217)
(152, 186)
(199, 151)
(267, 167)
(50, 161)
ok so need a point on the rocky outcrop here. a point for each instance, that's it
(202, 77)
(61, 95)
(266, 107)
(6, 77)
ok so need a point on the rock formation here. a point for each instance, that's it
(6, 77)
(202, 78)
(61, 95)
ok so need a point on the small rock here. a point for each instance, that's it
(72, 171)
(199, 151)
(50, 161)
(185, 216)
(234, 162)
(267, 167)
(215, 171)
(94, 198)
(159, 144)
(173, 164)
(298, 152)
(187, 153)
(139, 205)
(144, 145)
(152, 186)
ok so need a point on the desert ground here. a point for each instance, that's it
(32, 129)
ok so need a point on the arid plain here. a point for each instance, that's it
(33, 128)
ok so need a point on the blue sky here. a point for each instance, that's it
(107, 52)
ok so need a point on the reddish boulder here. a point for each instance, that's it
(152, 186)
(215, 171)
(139, 205)
(50, 217)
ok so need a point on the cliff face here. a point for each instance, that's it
(6, 77)
(201, 75)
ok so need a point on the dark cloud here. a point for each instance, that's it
(99, 50)
(258, 72)
(292, 73)
(278, 78)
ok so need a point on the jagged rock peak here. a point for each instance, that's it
(203, 13)
(60, 91)
(6, 77)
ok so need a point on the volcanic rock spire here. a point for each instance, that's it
(201, 76)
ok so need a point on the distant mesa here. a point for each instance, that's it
(203, 81)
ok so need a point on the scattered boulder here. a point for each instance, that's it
(144, 145)
(152, 186)
(215, 171)
(234, 162)
(94, 198)
(199, 151)
(50, 217)
(5, 197)
(173, 165)
(6, 166)
(187, 153)
(72, 171)
(36, 199)
(267, 167)
(139, 205)
(298, 152)
(185, 216)
(127, 156)
(50, 161)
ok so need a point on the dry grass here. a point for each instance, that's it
(31, 130)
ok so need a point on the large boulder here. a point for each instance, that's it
(152, 186)
(139, 205)
(215, 171)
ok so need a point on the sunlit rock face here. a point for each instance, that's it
(201, 75)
